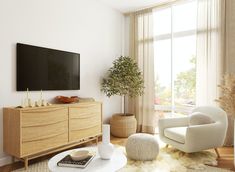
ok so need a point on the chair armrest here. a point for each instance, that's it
(206, 134)
(171, 122)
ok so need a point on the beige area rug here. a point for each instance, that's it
(168, 160)
(173, 160)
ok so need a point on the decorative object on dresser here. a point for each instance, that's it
(105, 148)
(63, 99)
(28, 102)
(124, 79)
(33, 132)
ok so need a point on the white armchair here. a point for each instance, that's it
(193, 138)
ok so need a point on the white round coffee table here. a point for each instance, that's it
(117, 161)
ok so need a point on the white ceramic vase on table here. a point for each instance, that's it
(105, 148)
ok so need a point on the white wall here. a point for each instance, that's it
(126, 35)
(84, 26)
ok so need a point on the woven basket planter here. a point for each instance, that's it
(123, 125)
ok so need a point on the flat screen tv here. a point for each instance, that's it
(41, 68)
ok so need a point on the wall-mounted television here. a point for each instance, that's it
(41, 68)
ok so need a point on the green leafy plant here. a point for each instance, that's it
(124, 79)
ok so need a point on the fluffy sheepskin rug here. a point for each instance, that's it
(173, 160)
(168, 160)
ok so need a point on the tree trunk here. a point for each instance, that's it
(124, 105)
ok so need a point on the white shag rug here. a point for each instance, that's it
(173, 160)
(168, 160)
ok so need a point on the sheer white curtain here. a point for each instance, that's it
(210, 50)
(141, 49)
(211, 55)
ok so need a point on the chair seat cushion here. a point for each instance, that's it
(176, 133)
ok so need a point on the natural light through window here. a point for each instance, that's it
(175, 58)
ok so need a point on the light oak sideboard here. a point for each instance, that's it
(32, 132)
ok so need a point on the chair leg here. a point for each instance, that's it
(217, 152)
(167, 145)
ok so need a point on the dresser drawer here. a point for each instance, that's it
(85, 110)
(30, 134)
(39, 138)
(75, 135)
(84, 121)
(37, 146)
(41, 117)
(84, 127)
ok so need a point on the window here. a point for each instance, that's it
(175, 58)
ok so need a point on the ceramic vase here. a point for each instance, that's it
(105, 148)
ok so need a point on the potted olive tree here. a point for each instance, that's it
(124, 79)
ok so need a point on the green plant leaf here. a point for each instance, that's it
(124, 79)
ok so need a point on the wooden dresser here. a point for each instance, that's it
(33, 132)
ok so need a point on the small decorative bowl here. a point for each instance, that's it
(79, 155)
(63, 99)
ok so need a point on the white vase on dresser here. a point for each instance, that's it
(105, 148)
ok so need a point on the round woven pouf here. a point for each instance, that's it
(143, 147)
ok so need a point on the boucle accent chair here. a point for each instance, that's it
(193, 138)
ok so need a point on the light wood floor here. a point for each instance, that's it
(225, 161)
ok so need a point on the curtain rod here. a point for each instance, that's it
(158, 5)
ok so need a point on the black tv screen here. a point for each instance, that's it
(41, 68)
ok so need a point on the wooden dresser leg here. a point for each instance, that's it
(12, 159)
(97, 140)
(26, 163)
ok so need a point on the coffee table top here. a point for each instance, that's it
(117, 161)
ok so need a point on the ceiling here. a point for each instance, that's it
(126, 6)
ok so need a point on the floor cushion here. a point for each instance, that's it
(142, 147)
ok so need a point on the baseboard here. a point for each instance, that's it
(5, 160)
